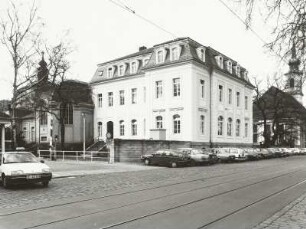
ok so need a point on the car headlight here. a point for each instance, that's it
(17, 172)
(46, 170)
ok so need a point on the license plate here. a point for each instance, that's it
(35, 176)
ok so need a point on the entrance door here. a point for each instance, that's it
(110, 129)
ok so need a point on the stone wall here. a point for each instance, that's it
(131, 150)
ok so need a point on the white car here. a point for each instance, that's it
(23, 167)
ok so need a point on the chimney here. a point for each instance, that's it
(142, 48)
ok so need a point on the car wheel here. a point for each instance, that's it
(147, 162)
(4, 181)
(45, 183)
(173, 165)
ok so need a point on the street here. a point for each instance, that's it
(233, 195)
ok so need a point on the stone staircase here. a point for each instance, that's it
(97, 146)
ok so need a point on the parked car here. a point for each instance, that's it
(199, 156)
(224, 154)
(23, 167)
(251, 153)
(169, 158)
(238, 153)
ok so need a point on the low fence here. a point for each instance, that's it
(73, 155)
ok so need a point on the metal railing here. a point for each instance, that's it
(73, 155)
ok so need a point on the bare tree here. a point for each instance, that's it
(288, 21)
(280, 116)
(20, 35)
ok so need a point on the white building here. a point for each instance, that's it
(179, 90)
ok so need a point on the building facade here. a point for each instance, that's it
(177, 91)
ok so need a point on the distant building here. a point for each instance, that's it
(179, 90)
(279, 116)
(50, 113)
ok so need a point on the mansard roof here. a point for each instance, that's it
(277, 102)
(188, 52)
(73, 91)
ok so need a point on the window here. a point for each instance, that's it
(237, 69)
(134, 127)
(176, 87)
(121, 95)
(219, 60)
(43, 118)
(121, 126)
(67, 113)
(25, 133)
(100, 72)
(246, 101)
(99, 129)
(145, 62)
(291, 82)
(43, 138)
(121, 70)
(110, 99)
(159, 89)
(246, 129)
(32, 133)
(110, 72)
(176, 124)
(202, 124)
(159, 122)
(202, 88)
(229, 66)
(100, 100)
(238, 127)
(160, 56)
(201, 54)
(134, 95)
(220, 125)
(175, 53)
(220, 93)
(133, 67)
(229, 126)
(230, 96)
(238, 98)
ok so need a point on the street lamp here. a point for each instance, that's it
(84, 126)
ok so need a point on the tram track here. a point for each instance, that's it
(180, 205)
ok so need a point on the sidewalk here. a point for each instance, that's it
(292, 216)
(61, 169)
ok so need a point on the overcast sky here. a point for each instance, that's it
(102, 31)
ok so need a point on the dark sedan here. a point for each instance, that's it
(169, 158)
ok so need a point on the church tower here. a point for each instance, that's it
(42, 71)
(294, 78)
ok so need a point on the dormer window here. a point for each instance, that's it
(174, 53)
(219, 60)
(160, 56)
(133, 67)
(110, 72)
(229, 66)
(145, 62)
(245, 75)
(201, 53)
(237, 70)
(100, 73)
(121, 70)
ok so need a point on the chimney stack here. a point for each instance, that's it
(142, 48)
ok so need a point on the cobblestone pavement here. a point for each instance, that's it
(293, 216)
(86, 186)
(73, 168)
(63, 189)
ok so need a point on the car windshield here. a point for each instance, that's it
(19, 158)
